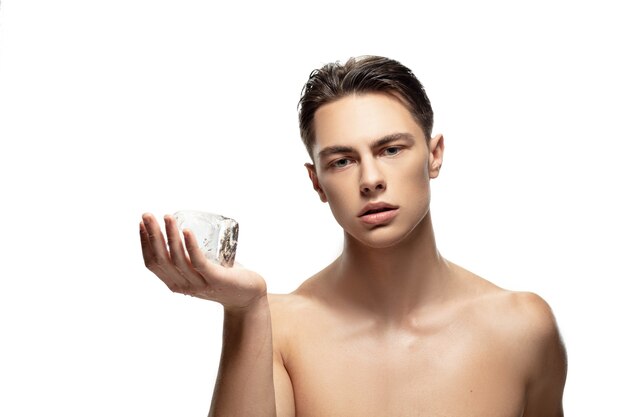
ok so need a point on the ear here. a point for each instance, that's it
(316, 185)
(435, 156)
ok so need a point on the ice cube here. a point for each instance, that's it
(216, 235)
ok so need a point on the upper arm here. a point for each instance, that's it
(285, 405)
(283, 389)
(547, 359)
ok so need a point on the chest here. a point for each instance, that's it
(451, 372)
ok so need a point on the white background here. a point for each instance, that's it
(110, 109)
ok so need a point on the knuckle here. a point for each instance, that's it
(177, 261)
(180, 271)
(197, 262)
(149, 263)
(160, 261)
(185, 289)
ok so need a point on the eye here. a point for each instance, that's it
(340, 163)
(391, 151)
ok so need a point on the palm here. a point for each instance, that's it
(189, 272)
(233, 287)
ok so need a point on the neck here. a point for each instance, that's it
(393, 282)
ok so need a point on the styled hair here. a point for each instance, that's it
(359, 75)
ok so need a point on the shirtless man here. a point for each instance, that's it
(390, 328)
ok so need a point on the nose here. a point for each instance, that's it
(372, 179)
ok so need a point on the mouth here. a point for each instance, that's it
(374, 208)
(373, 211)
(378, 214)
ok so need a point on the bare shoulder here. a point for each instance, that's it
(523, 313)
(526, 320)
(287, 307)
(533, 312)
(537, 344)
(284, 306)
(523, 325)
(287, 314)
(521, 317)
(534, 325)
(522, 322)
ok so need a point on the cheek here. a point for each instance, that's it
(335, 187)
(415, 175)
(340, 196)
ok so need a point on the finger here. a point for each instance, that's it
(149, 258)
(160, 262)
(155, 237)
(200, 263)
(178, 255)
(146, 248)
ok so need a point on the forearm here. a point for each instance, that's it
(244, 385)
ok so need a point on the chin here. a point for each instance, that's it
(386, 236)
(381, 237)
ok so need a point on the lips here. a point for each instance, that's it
(373, 208)
(378, 213)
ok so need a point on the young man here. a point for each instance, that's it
(390, 328)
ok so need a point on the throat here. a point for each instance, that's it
(391, 283)
(395, 279)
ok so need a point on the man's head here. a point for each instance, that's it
(367, 126)
(366, 74)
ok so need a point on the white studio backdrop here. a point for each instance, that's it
(111, 109)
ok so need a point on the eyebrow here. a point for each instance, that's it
(329, 150)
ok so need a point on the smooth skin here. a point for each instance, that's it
(390, 328)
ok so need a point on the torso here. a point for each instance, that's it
(463, 359)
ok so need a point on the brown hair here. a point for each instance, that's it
(359, 75)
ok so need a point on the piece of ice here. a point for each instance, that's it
(216, 235)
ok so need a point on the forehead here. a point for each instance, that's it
(358, 119)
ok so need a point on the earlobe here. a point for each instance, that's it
(316, 186)
(435, 157)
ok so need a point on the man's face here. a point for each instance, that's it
(373, 166)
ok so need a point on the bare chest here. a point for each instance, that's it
(347, 372)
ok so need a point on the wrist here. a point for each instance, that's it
(259, 304)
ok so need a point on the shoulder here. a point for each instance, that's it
(287, 312)
(522, 326)
(509, 312)
(283, 306)
(306, 298)
(521, 323)
(303, 297)
(537, 328)
(525, 316)
(294, 317)
(543, 352)
(506, 311)
(289, 309)
(525, 325)
(524, 309)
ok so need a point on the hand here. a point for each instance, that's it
(191, 273)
